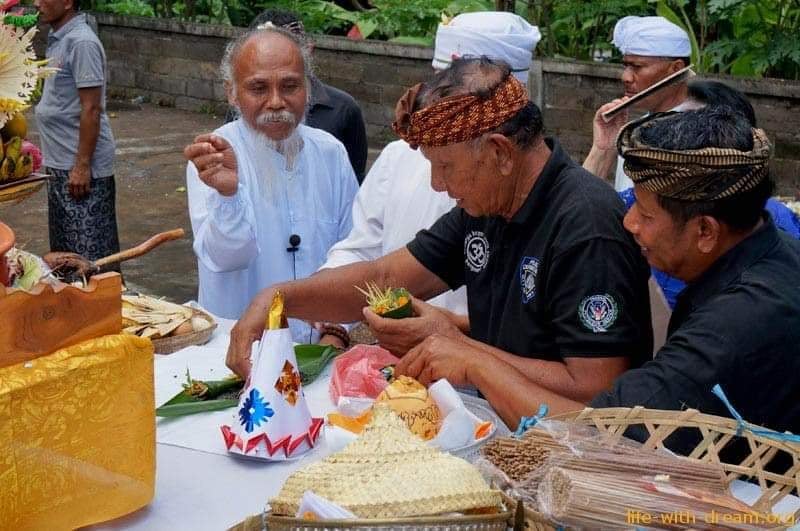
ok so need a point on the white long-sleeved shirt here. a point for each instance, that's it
(240, 241)
(395, 201)
(621, 179)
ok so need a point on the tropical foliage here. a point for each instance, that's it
(741, 37)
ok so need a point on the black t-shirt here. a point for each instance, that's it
(737, 326)
(336, 112)
(562, 278)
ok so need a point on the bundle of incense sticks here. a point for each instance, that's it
(517, 458)
(598, 454)
(584, 448)
(609, 499)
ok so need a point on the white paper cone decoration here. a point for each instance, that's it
(272, 420)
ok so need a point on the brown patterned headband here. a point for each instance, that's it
(706, 174)
(456, 119)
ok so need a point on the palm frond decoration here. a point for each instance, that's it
(20, 70)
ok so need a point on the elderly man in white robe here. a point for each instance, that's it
(396, 200)
(652, 48)
(268, 196)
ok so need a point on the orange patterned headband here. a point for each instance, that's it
(456, 119)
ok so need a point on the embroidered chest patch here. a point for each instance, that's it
(598, 312)
(528, 269)
(476, 251)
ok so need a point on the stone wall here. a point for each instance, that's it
(177, 63)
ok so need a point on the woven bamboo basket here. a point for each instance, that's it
(488, 522)
(717, 433)
(170, 344)
(20, 192)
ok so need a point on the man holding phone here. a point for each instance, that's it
(652, 48)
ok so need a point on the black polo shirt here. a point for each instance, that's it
(562, 278)
(738, 326)
(336, 112)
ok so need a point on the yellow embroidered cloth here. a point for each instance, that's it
(77, 435)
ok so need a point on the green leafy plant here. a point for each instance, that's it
(318, 16)
(413, 21)
(741, 37)
(139, 8)
(757, 37)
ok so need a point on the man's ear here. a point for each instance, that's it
(503, 149)
(709, 232)
(675, 65)
(230, 94)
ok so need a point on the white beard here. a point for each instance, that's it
(290, 147)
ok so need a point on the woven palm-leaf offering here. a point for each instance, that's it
(389, 477)
(394, 303)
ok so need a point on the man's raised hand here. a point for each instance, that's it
(604, 134)
(215, 161)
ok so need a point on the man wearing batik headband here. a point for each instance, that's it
(701, 180)
(557, 291)
(396, 199)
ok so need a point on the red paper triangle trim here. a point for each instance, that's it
(313, 431)
(228, 435)
(280, 444)
(252, 443)
(231, 439)
(288, 444)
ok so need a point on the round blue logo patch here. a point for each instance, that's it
(598, 312)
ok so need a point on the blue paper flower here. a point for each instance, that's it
(254, 411)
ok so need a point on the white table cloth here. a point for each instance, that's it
(200, 487)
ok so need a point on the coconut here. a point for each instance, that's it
(412, 403)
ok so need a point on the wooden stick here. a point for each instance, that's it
(142, 248)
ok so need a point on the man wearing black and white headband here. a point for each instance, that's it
(701, 180)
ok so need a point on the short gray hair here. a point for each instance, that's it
(235, 46)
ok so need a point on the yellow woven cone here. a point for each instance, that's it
(389, 472)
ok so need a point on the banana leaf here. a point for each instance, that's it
(312, 360)
(202, 396)
(190, 408)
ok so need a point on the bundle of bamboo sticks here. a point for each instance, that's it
(580, 477)
(609, 499)
(584, 449)
(598, 454)
(517, 458)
